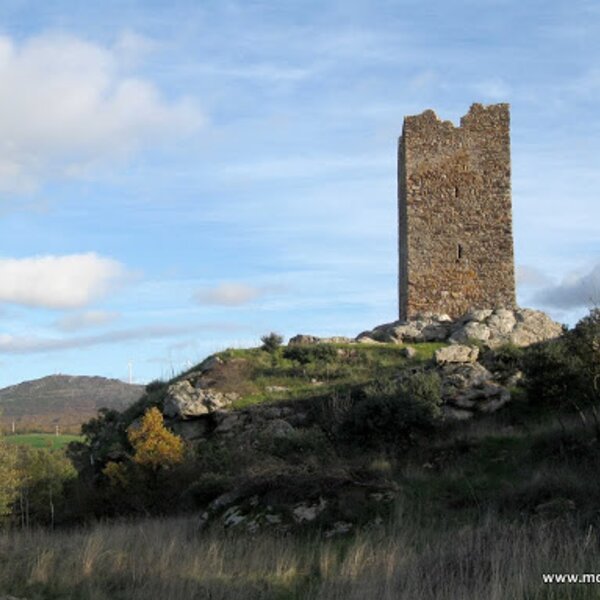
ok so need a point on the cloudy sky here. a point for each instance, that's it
(178, 177)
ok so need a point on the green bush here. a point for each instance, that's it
(553, 375)
(506, 360)
(297, 445)
(566, 372)
(584, 343)
(332, 412)
(395, 413)
(305, 354)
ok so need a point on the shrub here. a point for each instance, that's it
(271, 342)
(297, 445)
(332, 412)
(553, 375)
(584, 342)
(506, 360)
(395, 413)
(566, 372)
(207, 487)
(305, 354)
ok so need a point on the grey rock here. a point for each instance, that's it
(472, 386)
(471, 331)
(408, 352)
(463, 376)
(533, 326)
(306, 512)
(521, 327)
(302, 338)
(233, 516)
(337, 339)
(501, 322)
(478, 315)
(366, 339)
(435, 332)
(185, 401)
(456, 354)
(339, 528)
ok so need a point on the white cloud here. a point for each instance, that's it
(574, 292)
(65, 105)
(228, 294)
(85, 320)
(13, 344)
(233, 294)
(70, 281)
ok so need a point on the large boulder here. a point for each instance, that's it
(456, 354)
(533, 326)
(470, 387)
(184, 401)
(521, 327)
(423, 328)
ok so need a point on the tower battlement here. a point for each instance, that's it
(454, 213)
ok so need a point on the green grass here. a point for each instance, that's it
(353, 365)
(42, 440)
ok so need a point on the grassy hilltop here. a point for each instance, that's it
(334, 472)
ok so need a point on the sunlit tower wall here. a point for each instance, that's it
(455, 214)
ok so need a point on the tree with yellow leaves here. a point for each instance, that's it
(153, 444)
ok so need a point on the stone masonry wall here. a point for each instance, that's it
(455, 222)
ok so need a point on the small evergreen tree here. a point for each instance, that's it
(271, 342)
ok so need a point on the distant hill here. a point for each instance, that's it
(63, 400)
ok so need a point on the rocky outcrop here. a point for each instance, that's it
(469, 388)
(456, 354)
(303, 339)
(185, 401)
(492, 328)
(335, 504)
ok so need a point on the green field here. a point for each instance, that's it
(42, 440)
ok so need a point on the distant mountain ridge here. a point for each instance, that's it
(65, 401)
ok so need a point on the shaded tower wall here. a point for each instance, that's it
(455, 221)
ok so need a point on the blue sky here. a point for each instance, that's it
(180, 177)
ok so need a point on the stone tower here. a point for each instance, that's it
(455, 222)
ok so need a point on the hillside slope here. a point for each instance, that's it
(63, 400)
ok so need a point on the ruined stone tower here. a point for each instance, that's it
(455, 222)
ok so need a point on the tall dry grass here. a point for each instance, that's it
(169, 560)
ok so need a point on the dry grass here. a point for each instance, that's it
(169, 560)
